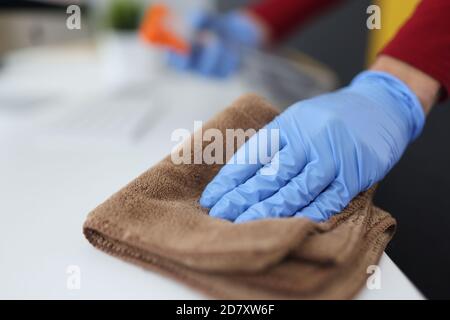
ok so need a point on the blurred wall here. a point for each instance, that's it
(28, 27)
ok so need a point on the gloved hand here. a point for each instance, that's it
(217, 43)
(331, 148)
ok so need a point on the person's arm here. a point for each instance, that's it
(333, 146)
(282, 17)
(424, 86)
(330, 148)
(423, 43)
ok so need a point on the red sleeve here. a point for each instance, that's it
(424, 41)
(283, 16)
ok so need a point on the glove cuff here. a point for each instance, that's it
(412, 108)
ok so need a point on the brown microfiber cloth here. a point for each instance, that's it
(156, 222)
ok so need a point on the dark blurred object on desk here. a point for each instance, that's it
(34, 23)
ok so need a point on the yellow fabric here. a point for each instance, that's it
(394, 13)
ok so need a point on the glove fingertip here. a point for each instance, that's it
(206, 201)
(249, 215)
(218, 211)
(311, 215)
(242, 219)
(211, 194)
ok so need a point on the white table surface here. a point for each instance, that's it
(51, 177)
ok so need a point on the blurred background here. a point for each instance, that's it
(102, 83)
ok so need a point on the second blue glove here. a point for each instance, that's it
(217, 44)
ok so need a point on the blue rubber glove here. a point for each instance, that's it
(216, 48)
(332, 147)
